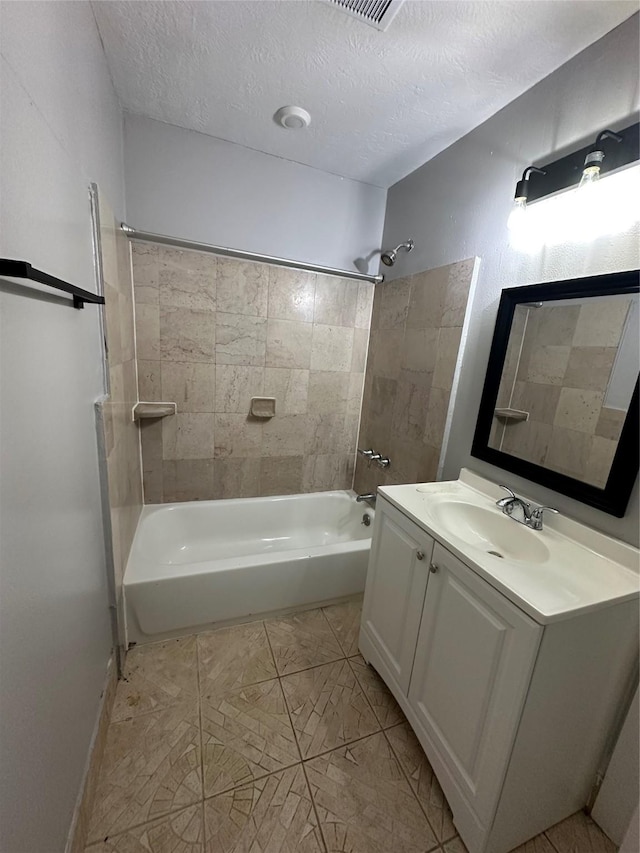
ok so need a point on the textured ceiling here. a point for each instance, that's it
(382, 103)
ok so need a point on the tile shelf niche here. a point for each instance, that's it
(143, 410)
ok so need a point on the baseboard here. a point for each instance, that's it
(84, 805)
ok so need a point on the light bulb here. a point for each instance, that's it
(591, 171)
(518, 214)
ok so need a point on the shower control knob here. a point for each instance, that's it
(384, 462)
(434, 569)
(420, 555)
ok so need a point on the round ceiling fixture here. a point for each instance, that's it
(292, 118)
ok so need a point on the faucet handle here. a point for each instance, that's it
(502, 502)
(537, 513)
(366, 453)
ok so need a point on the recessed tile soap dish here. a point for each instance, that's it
(263, 407)
(142, 411)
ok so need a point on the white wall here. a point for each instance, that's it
(60, 129)
(190, 185)
(457, 205)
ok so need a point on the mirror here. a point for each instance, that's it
(560, 399)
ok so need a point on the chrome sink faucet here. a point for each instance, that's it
(531, 516)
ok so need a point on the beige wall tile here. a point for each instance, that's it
(420, 350)
(144, 260)
(410, 405)
(291, 294)
(394, 305)
(555, 324)
(327, 472)
(375, 430)
(284, 435)
(187, 480)
(547, 364)
(448, 346)
(601, 322)
(359, 352)
(428, 292)
(242, 287)
(541, 401)
(589, 368)
(240, 339)
(325, 434)
(436, 416)
(186, 279)
(281, 475)
(599, 460)
(386, 353)
(237, 435)
(152, 480)
(187, 334)
(528, 440)
(568, 451)
(336, 301)
(332, 348)
(610, 423)
(149, 382)
(457, 292)
(364, 305)
(328, 392)
(188, 435)
(236, 385)
(288, 344)
(578, 410)
(148, 332)
(190, 385)
(354, 396)
(289, 387)
(236, 478)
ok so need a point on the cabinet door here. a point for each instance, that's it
(474, 659)
(394, 593)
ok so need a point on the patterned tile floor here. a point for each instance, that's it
(275, 737)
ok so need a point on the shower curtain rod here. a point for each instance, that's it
(134, 234)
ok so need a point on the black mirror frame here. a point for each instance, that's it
(614, 498)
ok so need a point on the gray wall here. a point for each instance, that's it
(457, 205)
(194, 186)
(61, 128)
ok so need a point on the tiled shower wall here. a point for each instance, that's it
(211, 333)
(121, 438)
(557, 369)
(416, 330)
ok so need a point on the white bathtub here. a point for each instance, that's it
(196, 564)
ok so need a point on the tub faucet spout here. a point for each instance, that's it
(369, 498)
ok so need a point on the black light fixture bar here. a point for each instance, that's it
(566, 171)
(22, 269)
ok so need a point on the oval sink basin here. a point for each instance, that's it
(490, 531)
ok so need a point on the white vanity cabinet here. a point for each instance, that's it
(512, 714)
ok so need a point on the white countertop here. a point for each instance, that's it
(580, 569)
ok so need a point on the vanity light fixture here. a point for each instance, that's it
(520, 198)
(594, 159)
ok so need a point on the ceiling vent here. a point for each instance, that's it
(376, 13)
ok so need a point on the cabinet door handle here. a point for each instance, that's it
(433, 568)
(420, 555)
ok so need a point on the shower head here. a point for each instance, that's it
(389, 258)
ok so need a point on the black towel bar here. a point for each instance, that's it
(22, 269)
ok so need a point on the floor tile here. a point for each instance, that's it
(364, 803)
(246, 734)
(455, 845)
(539, 844)
(385, 707)
(180, 832)
(328, 707)
(232, 657)
(422, 780)
(345, 621)
(301, 641)
(151, 767)
(579, 834)
(157, 676)
(274, 815)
